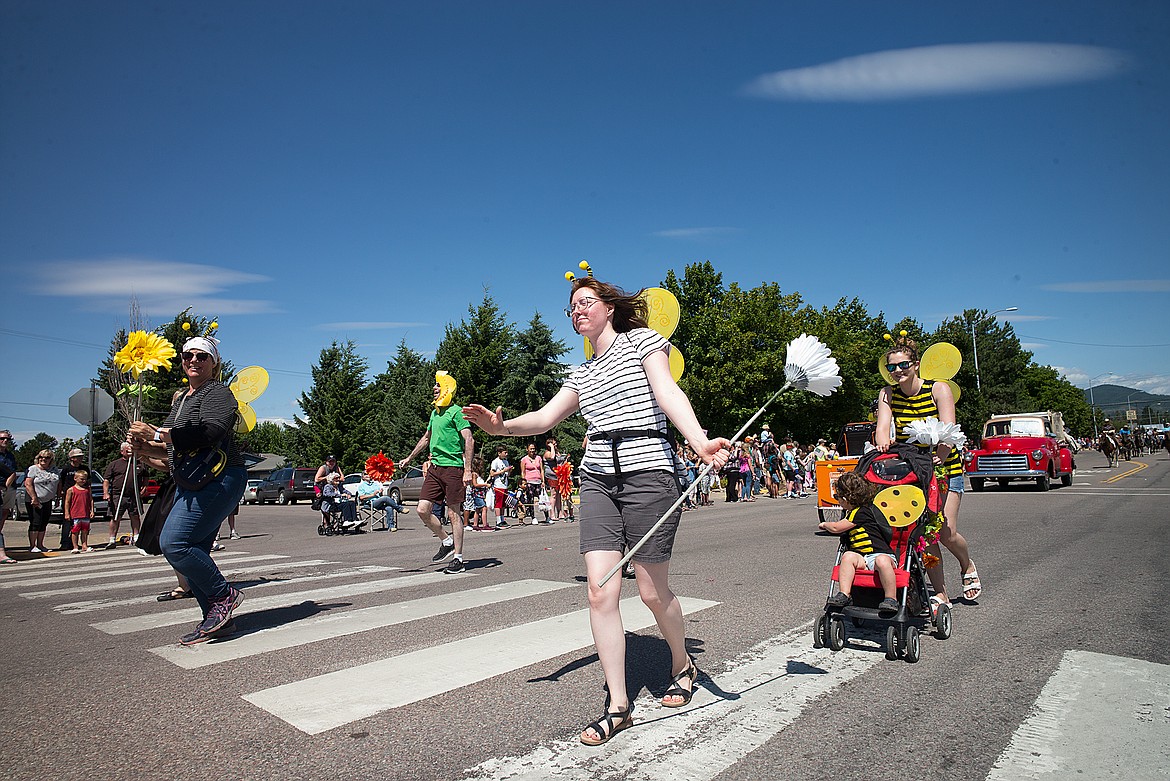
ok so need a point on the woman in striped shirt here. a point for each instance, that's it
(914, 398)
(626, 394)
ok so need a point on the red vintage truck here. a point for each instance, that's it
(1027, 446)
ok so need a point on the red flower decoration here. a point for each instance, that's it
(564, 473)
(380, 467)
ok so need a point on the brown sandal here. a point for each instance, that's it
(609, 725)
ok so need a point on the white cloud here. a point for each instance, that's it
(695, 233)
(1111, 286)
(161, 287)
(939, 71)
(285, 422)
(359, 325)
(1033, 345)
(1150, 383)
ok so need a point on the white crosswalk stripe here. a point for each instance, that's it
(1095, 714)
(328, 627)
(90, 605)
(113, 572)
(326, 701)
(230, 571)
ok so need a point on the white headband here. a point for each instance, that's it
(205, 343)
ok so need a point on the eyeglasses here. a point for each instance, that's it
(580, 305)
(5, 439)
(196, 357)
(903, 365)
(44, 458)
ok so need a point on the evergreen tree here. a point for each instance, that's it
(474, 353)
(402, 397)
(27, 452)
(535, 372)
(335, 410)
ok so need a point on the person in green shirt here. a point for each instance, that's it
(451, 445)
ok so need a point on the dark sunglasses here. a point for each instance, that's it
(903, 365)
(196, 357)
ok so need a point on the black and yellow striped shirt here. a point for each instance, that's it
(871, 534)
(908, 409)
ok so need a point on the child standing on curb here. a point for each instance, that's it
(79, 511)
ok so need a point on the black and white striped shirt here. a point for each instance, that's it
(205, 418)
(614, 395)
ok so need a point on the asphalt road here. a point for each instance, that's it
(398, 674)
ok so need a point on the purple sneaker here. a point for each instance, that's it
(221, 611)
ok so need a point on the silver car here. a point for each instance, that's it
(407, 487)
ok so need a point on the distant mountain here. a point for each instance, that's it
(1113, 398)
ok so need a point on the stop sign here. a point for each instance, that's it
(91, 406)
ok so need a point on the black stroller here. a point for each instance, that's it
(912, 496)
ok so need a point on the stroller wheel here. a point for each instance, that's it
(942, 622)
(321, 530)
(836, 633)
(892, 649)
(819, 632)
(912, 649)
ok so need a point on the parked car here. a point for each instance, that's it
(101, 507)
(150, 490)
(249, 496)
(22, 502)
(407, 487)
(287, 486)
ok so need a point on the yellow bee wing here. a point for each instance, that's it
(246, 420)
(677, 363)
(249, 384)
(941, 361)
(662, 310)
(901, 505)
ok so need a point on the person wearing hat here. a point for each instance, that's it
(765, 434)
(329, 467)
(118, 490)
(76, 464)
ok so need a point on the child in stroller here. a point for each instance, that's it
(867, 539)
(910, 492)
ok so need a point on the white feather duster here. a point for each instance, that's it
(932, 431)
(810, 366)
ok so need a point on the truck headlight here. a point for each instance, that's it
(1037, 455)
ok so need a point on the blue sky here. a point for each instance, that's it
(364, 170)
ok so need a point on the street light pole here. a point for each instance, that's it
(975, 344)
(1092, 404)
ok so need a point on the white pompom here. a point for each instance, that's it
(932, 431)
(809, 365)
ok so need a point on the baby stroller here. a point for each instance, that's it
(911, 495)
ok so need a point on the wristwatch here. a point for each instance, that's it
(158, 435)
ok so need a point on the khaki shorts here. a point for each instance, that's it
(616, 512)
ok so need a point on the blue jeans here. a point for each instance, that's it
(190, 530)
(745, 485)
(382, 502)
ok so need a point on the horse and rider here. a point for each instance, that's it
(1109, 443)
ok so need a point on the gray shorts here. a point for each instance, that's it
(617, 512)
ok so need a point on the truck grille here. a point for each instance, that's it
(1003, 463)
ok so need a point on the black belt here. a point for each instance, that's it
(615, 438)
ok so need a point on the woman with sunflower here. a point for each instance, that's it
(210, 477)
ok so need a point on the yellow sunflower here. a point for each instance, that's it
(144, 352)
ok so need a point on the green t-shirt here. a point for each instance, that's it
(446, 443)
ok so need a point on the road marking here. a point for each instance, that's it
(87, 606)
(328, 627)
(1137, 468)
(115, 573)
(189, 611)
(324, 702)
(230, 572)
(1098, 716)
(762, 691)
(86, 563)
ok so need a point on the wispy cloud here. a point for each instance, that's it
(695, 233)
(940, 71)
(1013, 317)
(1033, 345)
(372, 325)
(1150, 383)
(1111, 286)
(161, 287)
